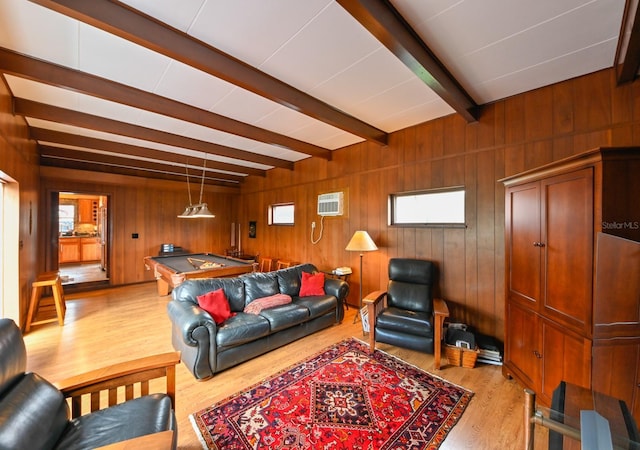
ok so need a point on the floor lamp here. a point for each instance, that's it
(360, 242)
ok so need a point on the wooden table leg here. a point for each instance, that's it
(163, 287)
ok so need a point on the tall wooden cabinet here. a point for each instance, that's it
(553, 216)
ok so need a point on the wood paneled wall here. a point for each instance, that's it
(512, 135)
(19, 161)
(149, 208)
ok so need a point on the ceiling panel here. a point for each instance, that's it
(166, 11)
(111, 57)
(253, 30)
(516, 40)
(318, 53)
(33, 30)
(341, 81)
(192, 86)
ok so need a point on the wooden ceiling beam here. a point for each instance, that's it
(36, 110)
(383, 21)
(48, 152)
(63, 77)
(106, 168)
(134, 26)
(76, 140)
(627, 60)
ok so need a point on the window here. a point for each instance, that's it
(434, 207)
(66, 217)
(281, 214)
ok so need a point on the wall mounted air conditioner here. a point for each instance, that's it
(330, 204)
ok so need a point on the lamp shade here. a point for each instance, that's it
(361, 242)
(202, 211)
(187, 212)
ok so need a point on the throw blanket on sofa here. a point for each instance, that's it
(267, 302)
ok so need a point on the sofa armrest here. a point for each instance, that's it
(440, 312)
(340, 290)
(124, 374)
(193, 333)
(186, 317)
(373, 302)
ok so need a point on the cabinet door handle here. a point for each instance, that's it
(538, 244)
(537, 354)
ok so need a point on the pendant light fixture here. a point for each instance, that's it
(200, 210)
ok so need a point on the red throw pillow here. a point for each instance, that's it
(216, 304)
(312, 284)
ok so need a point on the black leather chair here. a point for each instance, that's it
(34, 414)
(406, 314)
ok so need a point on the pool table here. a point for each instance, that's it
(171, 271)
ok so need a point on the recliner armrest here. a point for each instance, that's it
(440, 312)
(123, 374)
(372, 300)
(374, 297)
(440, 307)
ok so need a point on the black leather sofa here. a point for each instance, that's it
(208, 348)
(34, 414)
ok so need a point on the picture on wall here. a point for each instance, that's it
(252, 229)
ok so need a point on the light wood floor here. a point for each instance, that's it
(114, 325)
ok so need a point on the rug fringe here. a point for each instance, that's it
(192, 419)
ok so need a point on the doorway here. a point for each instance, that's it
(83, 238)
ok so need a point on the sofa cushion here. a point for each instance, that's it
(312, 284)
(289, 280)
(408, 322)
(267, 302)
(33, 414)
(285, 316)
(258, 285)
(216, 304)
(138, 417)
(318, 305)
(240, 329)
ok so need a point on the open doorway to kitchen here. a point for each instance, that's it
(83, 238)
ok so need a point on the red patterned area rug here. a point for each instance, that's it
(341, 398)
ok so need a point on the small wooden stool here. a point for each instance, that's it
(46, 279)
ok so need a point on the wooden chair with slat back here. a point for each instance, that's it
(265, 264)
(283, 264)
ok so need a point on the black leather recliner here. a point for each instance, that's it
(406, 314)
(34, 413)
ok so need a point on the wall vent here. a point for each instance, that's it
(330, 204)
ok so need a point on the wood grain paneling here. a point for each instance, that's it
(149, 208)
(518, 133)
(512, 135)
(19, 162)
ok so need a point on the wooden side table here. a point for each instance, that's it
(51, 279)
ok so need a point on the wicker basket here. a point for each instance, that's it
(459, 356)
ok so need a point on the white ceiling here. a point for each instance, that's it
(493, 48)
